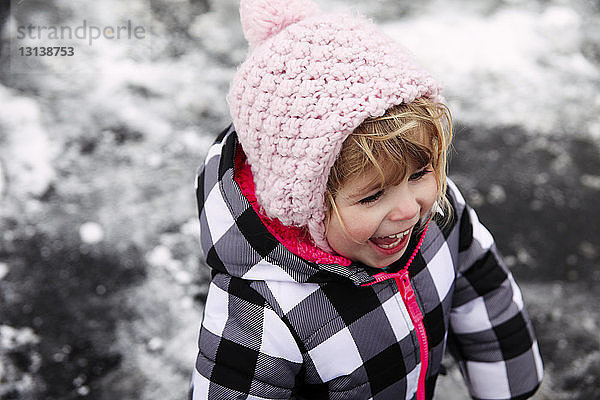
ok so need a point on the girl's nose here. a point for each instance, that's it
(404, 206)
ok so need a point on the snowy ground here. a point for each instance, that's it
(101, 287)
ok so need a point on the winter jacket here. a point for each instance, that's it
(277, 326)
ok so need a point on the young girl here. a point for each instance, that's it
(344, 261)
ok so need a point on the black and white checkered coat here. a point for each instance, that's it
(277, 327)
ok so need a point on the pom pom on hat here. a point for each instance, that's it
(262, 19)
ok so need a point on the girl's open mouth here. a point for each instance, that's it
(392, 243)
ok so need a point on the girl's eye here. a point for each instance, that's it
(371, 198)
(420, 174)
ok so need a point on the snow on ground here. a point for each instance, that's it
(514, 66)
(28, 148)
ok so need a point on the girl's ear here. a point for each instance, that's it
(262, 19)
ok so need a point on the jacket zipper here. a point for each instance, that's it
(408, 297)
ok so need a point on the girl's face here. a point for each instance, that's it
(379, 222)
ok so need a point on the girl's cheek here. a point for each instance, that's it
(360, 234)
(361, 227)
(431, 191)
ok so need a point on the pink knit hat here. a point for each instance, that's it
(310, 79)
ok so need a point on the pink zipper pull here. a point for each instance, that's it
(408, 295)
(406, 289)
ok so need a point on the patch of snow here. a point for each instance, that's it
(220, 34)
(191, 228)
(91, 233)
(195, 143)
(3, 270)
(2, 180)
(514, 66)
(12, 338)
(155, 344)
(27, 150)
(590, 181)
(588, 250)
(159, 256)
(496, 194)
(182, 277)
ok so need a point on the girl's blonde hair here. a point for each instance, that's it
(407, 136)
